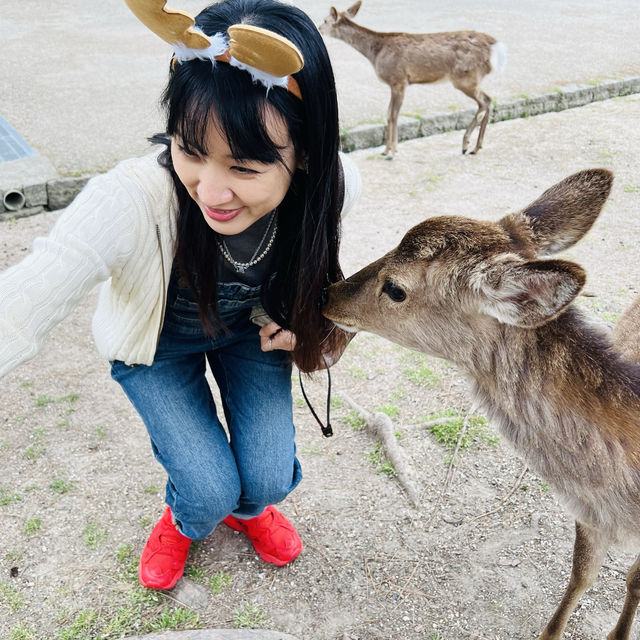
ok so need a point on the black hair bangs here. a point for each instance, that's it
(200, 95)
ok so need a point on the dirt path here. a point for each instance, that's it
(486, 553)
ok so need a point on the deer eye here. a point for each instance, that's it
(393, 291)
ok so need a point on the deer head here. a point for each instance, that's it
(453, 281)
(331, 24)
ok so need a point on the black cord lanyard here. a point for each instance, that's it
(327, 431)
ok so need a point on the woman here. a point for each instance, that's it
(234, 224)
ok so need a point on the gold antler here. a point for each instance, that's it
(264, 50)
(172, 25)
(259, 50)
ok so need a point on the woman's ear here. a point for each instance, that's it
(303, 163)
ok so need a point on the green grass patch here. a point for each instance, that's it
(22, 632)
(174, 618)
(7, 497)
(93, 536)
(33, 451)
(354, 420)
(218, 581)
(357, 372)
(197, 574)
(72, 397)
(448, 431)
(31, 526)
(43, 400)
(59, 485)
(422, 375)
(10, 597)
(391, 410)
(250, 617)
(382, 464)
(84, 626)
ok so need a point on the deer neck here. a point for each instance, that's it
(559, 380)
(560, 351)
(364, 40)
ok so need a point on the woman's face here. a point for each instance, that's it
(233, 194)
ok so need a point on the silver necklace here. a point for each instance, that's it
(241, 267)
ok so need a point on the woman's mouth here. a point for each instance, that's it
(220, 215)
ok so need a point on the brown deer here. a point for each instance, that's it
(400, 59)
(477, 294)
(626, 332)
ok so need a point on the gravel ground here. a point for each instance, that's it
(484, 555)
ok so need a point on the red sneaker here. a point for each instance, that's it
(271, 534)
(164, 556)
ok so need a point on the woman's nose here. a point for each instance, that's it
(213, 189)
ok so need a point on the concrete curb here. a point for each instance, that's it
(373, 135)
(29, 185)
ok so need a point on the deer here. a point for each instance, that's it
(400, 59)
(492, 298)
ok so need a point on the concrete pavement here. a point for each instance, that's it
(81, 80)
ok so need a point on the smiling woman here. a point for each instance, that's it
(236, 217)
(233, 193)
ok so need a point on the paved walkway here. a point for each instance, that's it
(81, 79)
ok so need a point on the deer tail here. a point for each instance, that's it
(498, 56)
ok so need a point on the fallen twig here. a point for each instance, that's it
(381, 426)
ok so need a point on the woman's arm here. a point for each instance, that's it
(89, 240)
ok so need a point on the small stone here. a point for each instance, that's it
(189, 593)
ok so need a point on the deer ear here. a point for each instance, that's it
(529, 294)
(353, 9)
(564, 213)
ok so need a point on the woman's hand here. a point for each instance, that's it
(273, 336)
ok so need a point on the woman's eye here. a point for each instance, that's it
(244, 170)
(187, 152)
(393, 291)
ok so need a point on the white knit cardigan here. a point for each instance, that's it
(120, 231)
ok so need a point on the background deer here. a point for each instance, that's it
(476, 294)
(400, 59)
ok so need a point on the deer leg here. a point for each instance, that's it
(485, 109)
(397, 96)
(470, 128)
(589, 551)
(622, 630)
(469, 86)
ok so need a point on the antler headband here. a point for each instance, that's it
(269, 57)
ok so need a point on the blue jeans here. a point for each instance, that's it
(211, 475)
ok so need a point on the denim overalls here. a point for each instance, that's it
(210, 475)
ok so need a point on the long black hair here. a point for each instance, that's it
(309, 216)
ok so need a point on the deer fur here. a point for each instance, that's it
(400, 59)
(485, 296)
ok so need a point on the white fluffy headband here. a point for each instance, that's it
(270, 58)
